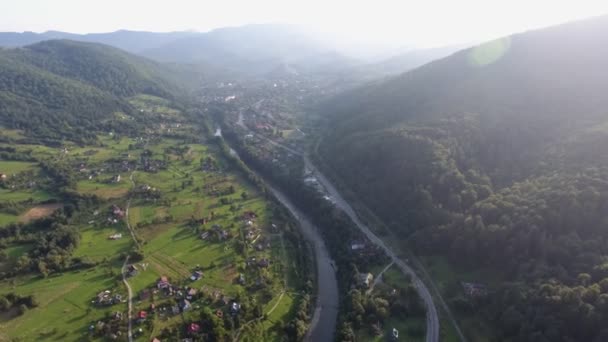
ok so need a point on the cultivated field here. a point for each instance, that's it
(176, 191)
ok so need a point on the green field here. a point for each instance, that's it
(13, 167)
(64, 310)
(7, 219)
(410, 328)
(170, 246)
(23, 195)
(448, 279)
(105, 190)
(96, 245)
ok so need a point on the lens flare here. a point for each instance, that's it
(489, 52)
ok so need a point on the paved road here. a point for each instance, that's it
(130, 302)
(323, 322)
(379, 277)
(124, 268)
(432, 319)
(127, 213)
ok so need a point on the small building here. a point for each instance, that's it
(141, 316)
(474, 290)
(194, 328)
(395, 334)
(196, 275)
(144, 294)
(355, 246)
(235, 308)
(117, 211)
(251, 261)
(365, 280)
(249, 215)
(191, 293)
(132, 270)
(163, 283)
(185, 305)
(115, 236)
(3, 176)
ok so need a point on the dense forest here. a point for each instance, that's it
(493, 158)
(68, 90)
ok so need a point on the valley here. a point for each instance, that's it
(265, 182)
(168, 207)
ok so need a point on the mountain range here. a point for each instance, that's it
(494, 159)
(248, 50)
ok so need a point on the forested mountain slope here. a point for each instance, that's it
(407, 61)
(495, 157)
(60, 89)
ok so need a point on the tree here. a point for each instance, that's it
(5, 304)
(22, 309)
(42, 268)
(584, 278)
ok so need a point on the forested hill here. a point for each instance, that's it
(510, 101)
(63, 89)
(496, 157)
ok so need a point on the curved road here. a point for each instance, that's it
(124, 268)
(130, 305)
(323, 323)
(432, 319)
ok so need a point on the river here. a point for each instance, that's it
(323, 322)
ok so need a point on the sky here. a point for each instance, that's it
(422, 23)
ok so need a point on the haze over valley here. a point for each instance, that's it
(311, 172)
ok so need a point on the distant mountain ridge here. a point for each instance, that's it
(259, 49)
(501, 83)
(131, 41)
(253, 49)
(494, 160)
(249, 49)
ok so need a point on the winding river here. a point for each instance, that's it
(323, 322)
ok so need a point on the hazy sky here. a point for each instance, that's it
(422, 23)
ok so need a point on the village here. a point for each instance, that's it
(167, 297)
(199, 237)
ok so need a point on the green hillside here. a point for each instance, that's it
(64, 89)
(495, 158)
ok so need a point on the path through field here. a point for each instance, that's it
(124, 268)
